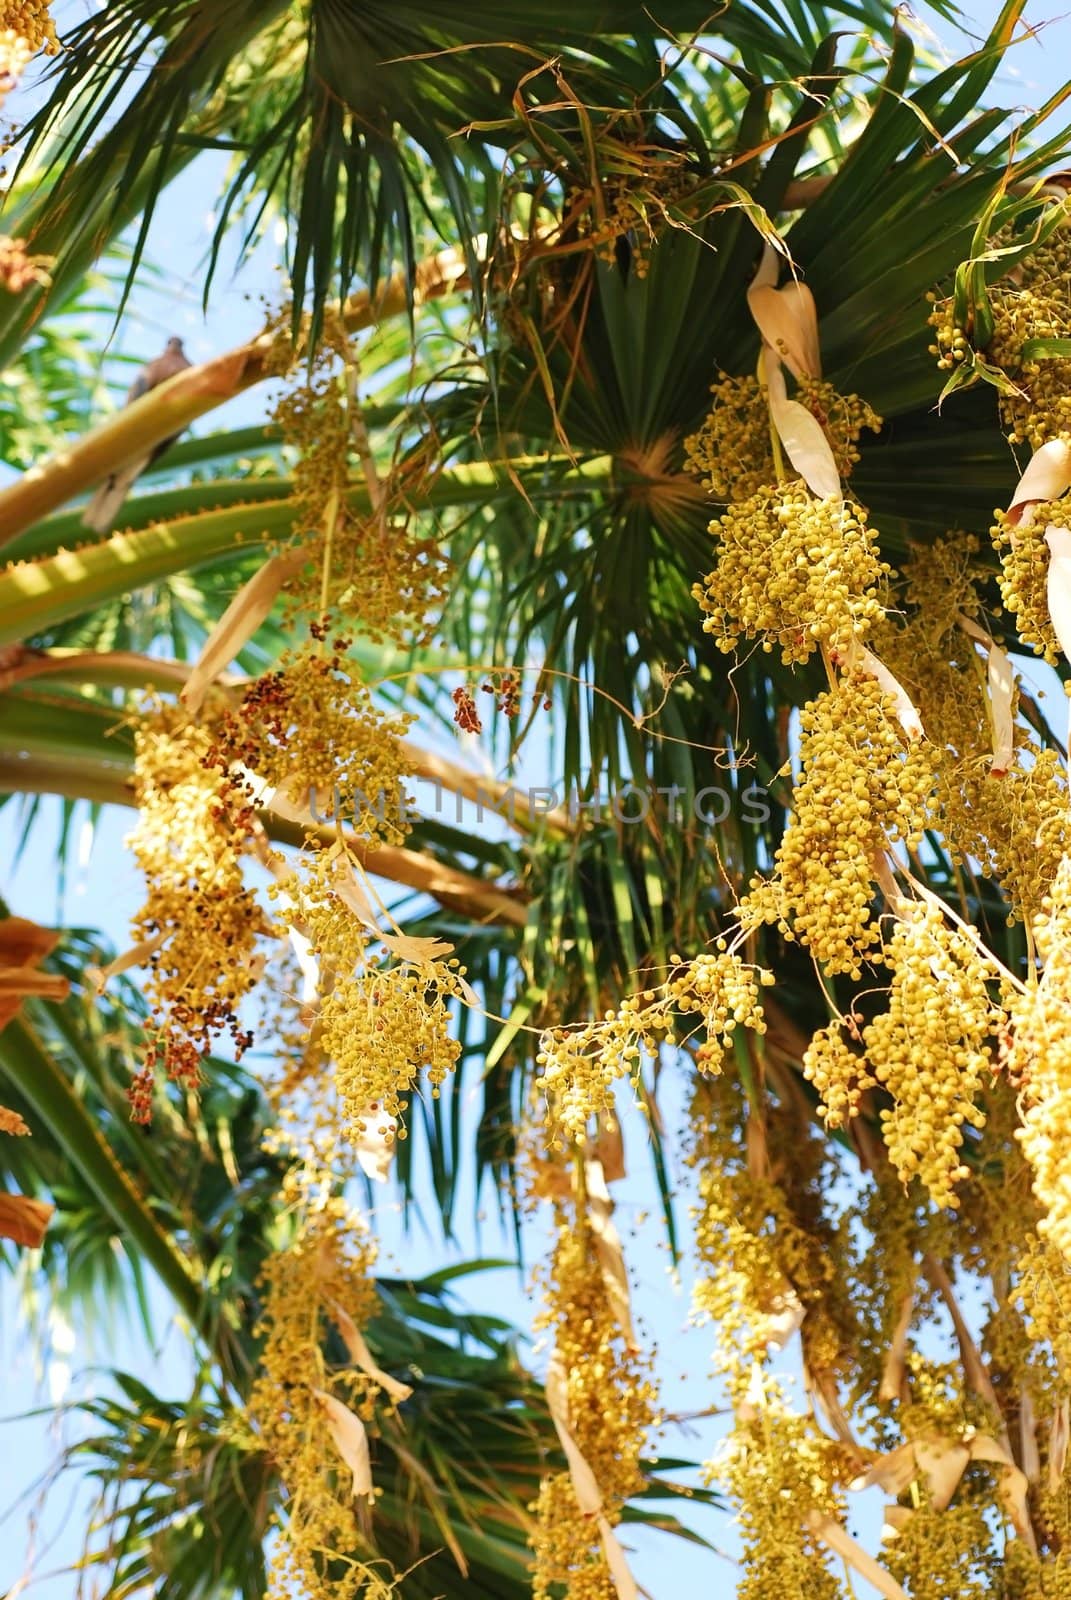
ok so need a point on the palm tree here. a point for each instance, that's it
(523, 243)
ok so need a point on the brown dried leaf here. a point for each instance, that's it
(362, 1357)
(610, 1150)
(893, 1471)
(842, 1544)
(801, 433)
(1029, 1454)
(353, 894)
(469, 994)
(788, 322)
(22, 981)
(608, 1249)
(758, 1155)
(896, 1518)
(624, 1582)
(1047, 475)
(974, 1368)
(1001, 680)
(1059, 584)
(906, 710)
(769, 268)
(784, 1318)
(250, 607)
(807, 448)
(943, 1463)
(588, 1494)
(892, 1376)
(351, 1442)
(23, 1219)
(136, 956)
(1013, 1488)
(283, 801)
(308, 965)
(882, 875)
(1059, 1435)
(23, 943)
(408, 947)
(823, 1387)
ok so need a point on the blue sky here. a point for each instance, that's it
(104, 891)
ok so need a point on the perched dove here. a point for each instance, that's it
(104, 507)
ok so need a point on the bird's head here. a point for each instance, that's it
(174, 347)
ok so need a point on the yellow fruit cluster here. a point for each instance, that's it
(862, 784)
(622, 201)
(732, 450)
(930, 1049)
(951, 345)
(1024, 565)
(580, 1066)
(311, 729)
(200, 921)
(793, 572)
(768, 1263)
(30, 20)
(372, 565)
(722, 988)
(383, 1020)
(1035, 303)
(384, 1028)
(1039, 1062)
(25, 28)
(1043, 1291)
(936, 1548)
(763, 1253)
(839, 1073)
(1030, 303)
(611, 1405)
(321, 1275)
(18, 270)
(1018, 827)
(842, 418)
(780, 1471)
(1015, 825)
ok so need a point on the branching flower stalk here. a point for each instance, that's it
(603, 1403)
(313, 1414)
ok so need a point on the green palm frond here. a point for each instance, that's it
(600, 594)
(352, 108)
(455, 1470)
(610, 176)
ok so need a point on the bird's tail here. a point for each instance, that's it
(106, 504)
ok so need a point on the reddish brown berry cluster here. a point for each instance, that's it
(507, 692)
(465, 713)
(140, 1094)
(312, 727)
(201, 920)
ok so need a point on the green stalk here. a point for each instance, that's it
(35, 595)
(131, 433)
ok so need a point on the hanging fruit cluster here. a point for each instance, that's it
(936, 1046)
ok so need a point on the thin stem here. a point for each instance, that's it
(330, 524)
(775, 440)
